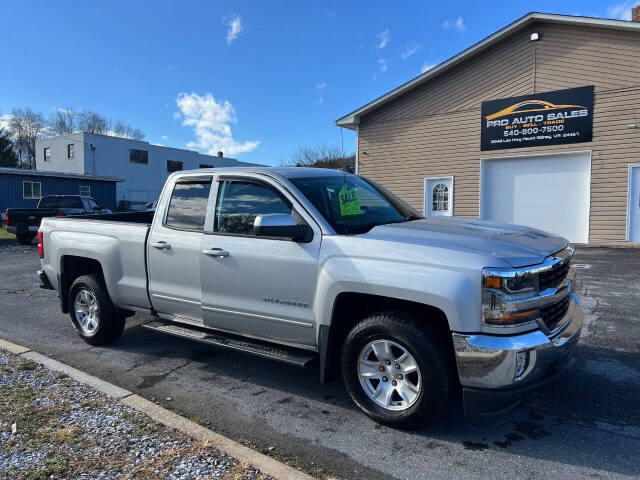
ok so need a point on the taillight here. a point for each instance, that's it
(40, 245)
(59, 213)
(6, 217)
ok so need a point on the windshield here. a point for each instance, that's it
(60, 202)
(352, 204)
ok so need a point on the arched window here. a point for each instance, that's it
(440, 198)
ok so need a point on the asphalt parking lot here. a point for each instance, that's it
(584, 424)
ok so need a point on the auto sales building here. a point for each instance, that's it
(538, 124)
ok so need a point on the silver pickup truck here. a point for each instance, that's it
(325, 267)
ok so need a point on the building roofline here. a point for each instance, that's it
(44, 173)
(351, 120)
(82, 135)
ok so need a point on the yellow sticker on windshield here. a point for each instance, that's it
(349, 203)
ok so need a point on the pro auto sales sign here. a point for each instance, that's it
(550, 118)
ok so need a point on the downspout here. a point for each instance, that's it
(357, 149)
(534, 66)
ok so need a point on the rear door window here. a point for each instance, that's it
(188, 206)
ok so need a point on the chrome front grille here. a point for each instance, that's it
(552, 314)
(555, 275)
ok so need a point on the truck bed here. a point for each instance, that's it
(116, 240)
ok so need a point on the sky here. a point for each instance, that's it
(255, 79)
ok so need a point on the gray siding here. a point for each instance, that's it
(435, 129)
(59, 161)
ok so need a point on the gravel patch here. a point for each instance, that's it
(11, 246)
(52, 427)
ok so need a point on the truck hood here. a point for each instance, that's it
(518, 245)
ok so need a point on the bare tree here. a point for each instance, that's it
(63, 121)
(320, 155)
(123, 130)
(26, 126)
(92, 122)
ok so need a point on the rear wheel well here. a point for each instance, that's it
(72, 267)
(350, 308)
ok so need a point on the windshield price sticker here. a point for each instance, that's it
(349, 202)
(551, 118)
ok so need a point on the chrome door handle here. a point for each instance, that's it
(161, 245)
(216, 252)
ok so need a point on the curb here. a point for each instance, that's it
(266, 464)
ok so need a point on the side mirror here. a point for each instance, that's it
(98, 207)
(148, 204)
(281, 226)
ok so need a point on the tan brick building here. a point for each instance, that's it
(423, 139)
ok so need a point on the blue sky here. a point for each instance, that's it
(253, 78)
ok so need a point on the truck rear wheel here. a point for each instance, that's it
(396, 369)
(25, 238)
(93, 315)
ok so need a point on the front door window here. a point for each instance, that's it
(438, 196)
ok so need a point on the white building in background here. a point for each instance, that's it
(144, 166)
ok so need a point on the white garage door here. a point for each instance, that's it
(547, 192)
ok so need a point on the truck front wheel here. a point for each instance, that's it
(395, 368)
(93, 315)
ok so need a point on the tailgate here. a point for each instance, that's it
(29, 217)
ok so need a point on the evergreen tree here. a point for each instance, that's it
(8, 157)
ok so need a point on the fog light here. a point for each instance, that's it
(521, 364)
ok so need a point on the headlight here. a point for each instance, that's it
(501, 289)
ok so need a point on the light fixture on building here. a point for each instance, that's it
(632, 125)
(535, 36)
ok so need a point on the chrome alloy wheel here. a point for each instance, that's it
(87, 312)
(389, 375)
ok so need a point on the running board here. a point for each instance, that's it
(234, 342)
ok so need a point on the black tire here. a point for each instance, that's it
(424, 343)
(110, 323)
(25, 238)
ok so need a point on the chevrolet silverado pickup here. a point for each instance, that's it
(24, 222)
(317, 266)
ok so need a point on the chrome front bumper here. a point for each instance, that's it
(496, 370)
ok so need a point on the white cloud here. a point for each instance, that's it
(384, 38)
(164, 137)
(621, 11)
(383, 63)
(427, 66)
(320, 88)
(211, 122)
(234, 27)
(458, 24)
(410, 50)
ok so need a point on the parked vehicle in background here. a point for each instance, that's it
(24, 222)
(297, 264)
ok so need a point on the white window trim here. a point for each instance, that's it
(88, 187)
(629, 199)
(426, 184)
(31, 197)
